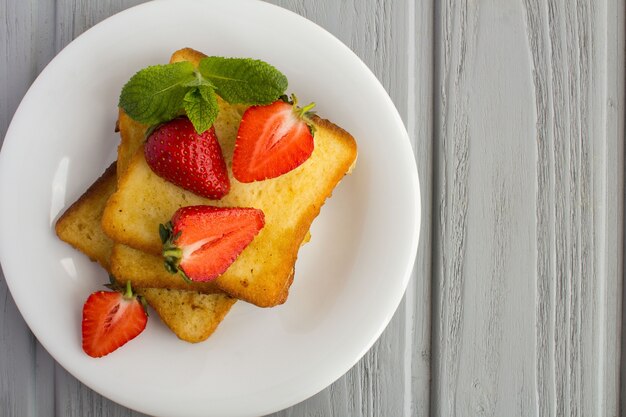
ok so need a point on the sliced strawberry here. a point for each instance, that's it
(110, 319)
(271, 141)
(177, 153)
(201, 242)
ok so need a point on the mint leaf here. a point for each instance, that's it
(155, 94)
(243, 80)
(200, 104)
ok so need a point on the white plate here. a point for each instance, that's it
(350, 278)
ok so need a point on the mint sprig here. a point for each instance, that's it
(159, 93)
(155, 93)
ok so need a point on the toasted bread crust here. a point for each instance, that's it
(80, 224)
(193, 317)
(131, 138)
(341, 134)
(187, 54)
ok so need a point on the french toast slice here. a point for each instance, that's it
(192, 317)
(263, 271)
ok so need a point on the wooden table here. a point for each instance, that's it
(516, 113)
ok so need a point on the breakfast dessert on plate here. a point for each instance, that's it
(219, 177)
(190, 315)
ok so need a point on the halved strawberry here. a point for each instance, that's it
(272, 140)
(201, 242)
(111, 319)
(176, 152)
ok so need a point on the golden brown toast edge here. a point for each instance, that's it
(131, 138)
(74, 218)
(191, 316)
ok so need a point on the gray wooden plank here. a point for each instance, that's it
(25, 369)
(420, 117)
(16, 359)
(44, 396)
(580, 311)
(73, 17)
(527, 262)
(27, 36)
(73, 399)
(614, 242)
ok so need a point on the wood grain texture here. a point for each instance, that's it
(419, 121)
(73, 399)
(25, 368)
(580, 148)
(527, 292)
(612, 263)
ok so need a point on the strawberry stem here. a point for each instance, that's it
(128, 294)
(172, 252)
(171, 256)
(306, 109)
(301, 112)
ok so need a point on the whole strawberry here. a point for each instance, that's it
(177, 153)
(111, 319)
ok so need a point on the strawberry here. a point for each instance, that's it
(201, 242)
(110, 319)
(190, 160)
(272, 140)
